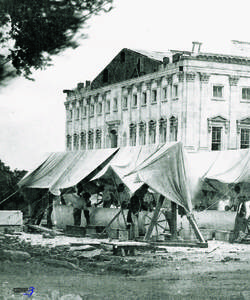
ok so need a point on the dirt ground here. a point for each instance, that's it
(222, 271)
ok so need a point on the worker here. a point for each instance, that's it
(123, 196)
(133, 216)
(81, 202)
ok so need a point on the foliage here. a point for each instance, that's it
(8, 185)
(37, 29)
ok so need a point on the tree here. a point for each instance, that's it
(34, 30)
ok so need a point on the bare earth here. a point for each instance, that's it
(220, 272)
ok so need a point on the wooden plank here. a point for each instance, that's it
(180, 244)
(44, 229)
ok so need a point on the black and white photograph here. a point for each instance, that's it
(124, 150)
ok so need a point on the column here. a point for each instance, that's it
(233, 106)
(183, 107)
(138, 119)
(170, 82)
(204, 99)
(191, 124)
(88, 123)
(148, 116)
(159, 97)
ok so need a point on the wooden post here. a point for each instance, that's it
(154, 218)
(197, 232)
(174, 221)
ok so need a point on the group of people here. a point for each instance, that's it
(117, 198)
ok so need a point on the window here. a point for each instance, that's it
(216, 138)
(92, 109)
(115, 104)
(84, 111)
(217, 91)
(142, 133)
(77, 113)
(175, 91)
(99, 108)
(76, 141)
(90, 140)
(165, 93)
(98, 138)
(245, 93)
(163, 130)
(70, 114)
(125, 103)
(69, 141)
(154, 96)
(134, 104)
(244, 138)
(152, 132)
(83, 141)
(144, 99)
(108, 107)
(173, 129)
(132, 133)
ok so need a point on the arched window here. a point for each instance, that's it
(83, 140)
(76, 141)
(152, 132)
(142, 133)
(173, 128)
(163, 130)
(90, 139)
(132, 134)
(69, 142)
(98, 139)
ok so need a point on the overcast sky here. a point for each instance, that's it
(32, 117)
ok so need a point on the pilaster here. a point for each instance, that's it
(233, 103)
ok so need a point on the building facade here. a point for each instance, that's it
(201, 99)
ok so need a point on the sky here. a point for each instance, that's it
(32, 114)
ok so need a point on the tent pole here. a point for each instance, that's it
(194, 225)
(154, 218)
(174, 220)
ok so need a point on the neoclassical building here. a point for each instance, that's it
(202, 99)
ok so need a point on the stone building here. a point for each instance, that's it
(202, 99)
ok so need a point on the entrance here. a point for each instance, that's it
(113, 138)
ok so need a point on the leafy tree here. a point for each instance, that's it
(34, 30)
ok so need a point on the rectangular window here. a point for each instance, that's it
(115, 104)
(108, 107)
(246, 93)
(84, 111)
(218, 91)
(175, 91)
(144, 99)
(125, 103)
(244, 138)
(165, 93)
(77, 113)
(92, 109)
(99, 108)
(216, 138)
(154, 96)
(134, 104)
(70, 114)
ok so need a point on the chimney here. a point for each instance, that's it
(196, 47)
(80, 85)
(87, 83)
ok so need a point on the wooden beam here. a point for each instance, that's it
(174, 220)
(154, 218)
(194, 225)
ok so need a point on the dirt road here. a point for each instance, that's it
(220, 272)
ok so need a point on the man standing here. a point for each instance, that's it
(81, 202)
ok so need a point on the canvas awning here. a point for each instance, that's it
(65, 169)
(166, 172)
(219, 167)
(126, 160)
